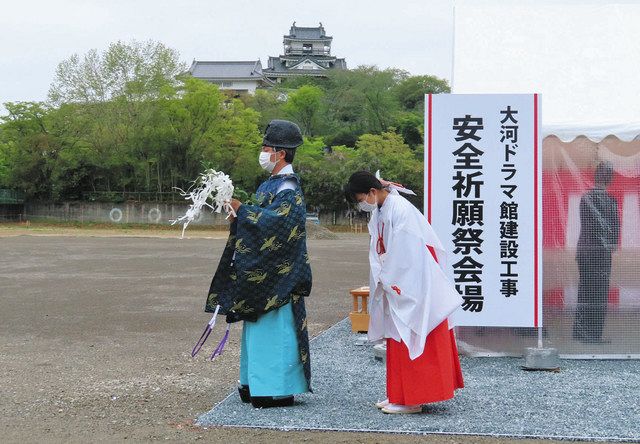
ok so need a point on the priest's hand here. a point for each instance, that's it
(231, 207)
(235, 204)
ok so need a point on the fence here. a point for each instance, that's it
(136, 196)
(116, 213)
(11, 197)
(591, 246)
(11, 205)
(148, 213)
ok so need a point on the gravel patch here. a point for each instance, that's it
(319, 232)
(586, 400)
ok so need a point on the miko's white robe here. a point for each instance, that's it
(410, 294)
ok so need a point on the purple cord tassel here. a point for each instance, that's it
(218, 351)
(201, 341)
(205, 333)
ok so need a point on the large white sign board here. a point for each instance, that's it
(483, 197)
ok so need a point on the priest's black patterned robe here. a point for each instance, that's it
(262, 279)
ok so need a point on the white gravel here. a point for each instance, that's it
(587, 400)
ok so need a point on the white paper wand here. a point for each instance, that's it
(212, 185)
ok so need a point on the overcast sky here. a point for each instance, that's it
(35, 35)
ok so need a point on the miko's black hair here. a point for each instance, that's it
(360, 182)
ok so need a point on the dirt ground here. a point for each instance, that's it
(97, 326)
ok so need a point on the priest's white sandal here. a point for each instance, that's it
(396, 408)
(382, 404)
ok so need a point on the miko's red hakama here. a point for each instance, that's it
(431, 377)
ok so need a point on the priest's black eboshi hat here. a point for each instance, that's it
(282, 134)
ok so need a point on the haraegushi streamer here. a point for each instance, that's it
(212, 186)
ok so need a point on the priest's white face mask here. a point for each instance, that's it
(365, 205)
(265, 160)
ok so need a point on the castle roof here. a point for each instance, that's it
(250, 70)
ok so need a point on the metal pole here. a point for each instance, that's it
(540, 337)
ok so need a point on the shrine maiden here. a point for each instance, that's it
(411, 298)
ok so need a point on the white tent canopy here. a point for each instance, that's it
(583, 57)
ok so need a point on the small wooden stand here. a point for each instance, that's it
(360, 314)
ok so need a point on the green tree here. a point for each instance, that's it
(323, 174)
(126, 120)
(224, 135)
(291, 83)
(268, 103)
(411, 127)
(149, 145)
(135, 70)
(303, 105)
(396, 161)
(4, 167)
(360, 101)
(113, 117)
(410, 92)
(28, 149)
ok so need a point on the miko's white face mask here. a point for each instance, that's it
(265, 161)
(366, 206)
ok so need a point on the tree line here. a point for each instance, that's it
(130, 119)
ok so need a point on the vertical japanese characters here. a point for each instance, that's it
(509, 206)
(468, 208)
